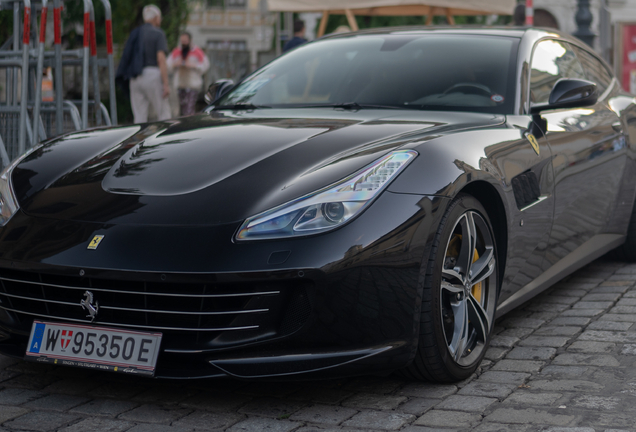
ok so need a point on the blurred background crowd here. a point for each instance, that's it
(231, 38)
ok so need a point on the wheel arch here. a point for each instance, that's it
(489, 197)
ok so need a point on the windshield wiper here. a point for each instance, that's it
(350, 106)
(353, 106)
(240, 106)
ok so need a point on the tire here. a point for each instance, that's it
(627, 251)
(459, 295)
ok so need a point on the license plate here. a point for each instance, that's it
(98, 348)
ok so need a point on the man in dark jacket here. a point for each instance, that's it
(144, 64)
(299, 36)
(131, 63)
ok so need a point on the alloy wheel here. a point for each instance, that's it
(468, 288)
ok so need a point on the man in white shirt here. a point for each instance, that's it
(151, 87)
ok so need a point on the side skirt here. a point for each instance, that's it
(590, 250)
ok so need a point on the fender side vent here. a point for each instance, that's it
(526, 188)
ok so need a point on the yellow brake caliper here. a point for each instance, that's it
(476, 289)
(453, 251)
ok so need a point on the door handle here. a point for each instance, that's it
(617, 126)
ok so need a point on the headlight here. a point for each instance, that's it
(8, 202)
(330, 207)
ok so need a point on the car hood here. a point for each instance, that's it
(216, 167)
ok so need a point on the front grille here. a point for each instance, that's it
(191, 315)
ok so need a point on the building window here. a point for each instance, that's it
(226, 45)
(236, 4)
(227, 4)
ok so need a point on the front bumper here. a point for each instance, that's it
(341, 303)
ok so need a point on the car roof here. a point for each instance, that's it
(507, 31)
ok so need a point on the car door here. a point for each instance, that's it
(612, 95)
(587, 157)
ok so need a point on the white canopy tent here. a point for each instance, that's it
(428, 8)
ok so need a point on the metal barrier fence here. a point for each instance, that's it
(24, 118)
(49, 115)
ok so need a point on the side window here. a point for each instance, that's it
(551, 61)
(595, 70)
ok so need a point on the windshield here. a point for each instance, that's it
(413, 71)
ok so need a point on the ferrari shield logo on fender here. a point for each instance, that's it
(533, 142)
(95, 242)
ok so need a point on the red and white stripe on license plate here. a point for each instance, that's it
(93, 347)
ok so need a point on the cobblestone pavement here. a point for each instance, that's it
(563, 362)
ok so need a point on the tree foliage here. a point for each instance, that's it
(6, 25)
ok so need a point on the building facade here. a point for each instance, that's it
(607, 15)
(234, 33)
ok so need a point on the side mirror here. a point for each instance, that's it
(217, 90)
(569, 93)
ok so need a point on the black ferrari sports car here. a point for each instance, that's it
(369, 202)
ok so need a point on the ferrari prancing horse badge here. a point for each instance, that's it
(533, 142)
(95, 242)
